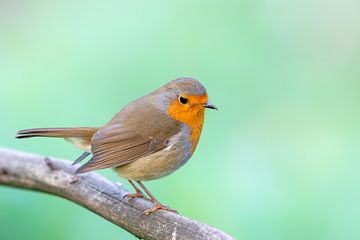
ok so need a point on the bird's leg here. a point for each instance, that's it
(158, 206)
(138, 193)
(82, 157)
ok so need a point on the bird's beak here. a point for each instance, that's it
(210, 105)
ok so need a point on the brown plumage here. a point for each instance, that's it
(148, 139)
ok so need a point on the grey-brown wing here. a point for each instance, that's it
(116, 145)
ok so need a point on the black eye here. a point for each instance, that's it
(183, 100)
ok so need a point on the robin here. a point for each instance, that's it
(148, 139)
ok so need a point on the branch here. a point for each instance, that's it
(99, 195)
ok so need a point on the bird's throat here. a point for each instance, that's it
(192, 117)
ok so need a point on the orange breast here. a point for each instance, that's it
(191, 115)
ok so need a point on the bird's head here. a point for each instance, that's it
(186, 100)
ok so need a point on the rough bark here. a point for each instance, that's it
(99, 195)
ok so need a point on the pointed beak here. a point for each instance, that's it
(210, 105)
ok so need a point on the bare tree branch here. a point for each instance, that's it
(99, 195)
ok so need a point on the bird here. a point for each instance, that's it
(148, 139)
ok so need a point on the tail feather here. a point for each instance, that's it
(80, 137)
(82, 132)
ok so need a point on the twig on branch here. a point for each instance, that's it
(99, 195)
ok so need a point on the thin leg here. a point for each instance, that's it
(138, 193)
(158, 206)
(82, 157)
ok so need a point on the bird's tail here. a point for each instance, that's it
(81, 136)
(57, 132)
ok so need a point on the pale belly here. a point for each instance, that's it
(161, 163)
(153, 166)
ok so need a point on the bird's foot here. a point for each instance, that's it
(157, 207)
(73, 179)
(135, 195)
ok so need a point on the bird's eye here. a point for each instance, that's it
(183, 100)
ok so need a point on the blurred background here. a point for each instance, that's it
(279, 160)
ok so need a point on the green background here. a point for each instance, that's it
(279, 160)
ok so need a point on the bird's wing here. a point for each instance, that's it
(115, 145)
